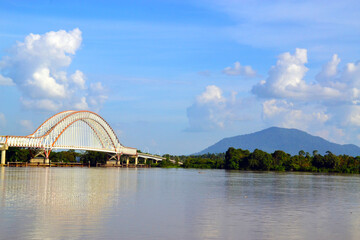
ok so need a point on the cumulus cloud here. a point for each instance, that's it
(285, 114)
(212, 110)
(42, 84)
(239, 70)
(79, 79)
(212, 94)
(37, 66)
(327, 105)
(329, 70)
(5, 81)
(312, 118)
(209, 110)
(82, 104)
(331, 86)
(286, 80)
(351, 115)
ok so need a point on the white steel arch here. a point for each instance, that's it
(82, 130)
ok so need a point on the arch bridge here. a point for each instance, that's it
(78, 130)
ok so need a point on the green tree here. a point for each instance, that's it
(260, 160)
(93, 157)
(315, 152)
(236, 158)
(331, 161)
(301, 153)
(281, 159)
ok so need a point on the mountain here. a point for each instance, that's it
(289, 140)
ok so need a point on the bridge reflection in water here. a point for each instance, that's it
(122, 203)
(51, 201)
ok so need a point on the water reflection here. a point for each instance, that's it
(295, 206)
(52, 201)
(37, 203)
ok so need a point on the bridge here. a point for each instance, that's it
(77, 130)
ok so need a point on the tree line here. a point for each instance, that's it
(280, 161)
(236, 159)
(258, 160)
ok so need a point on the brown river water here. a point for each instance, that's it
(114, 203)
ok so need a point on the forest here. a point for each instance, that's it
(280, 161)
(233, 159)
(258, 160)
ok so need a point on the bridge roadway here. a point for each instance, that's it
(78, 130)
(144, 156)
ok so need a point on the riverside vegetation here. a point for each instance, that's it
(258, 160)
(237, 159)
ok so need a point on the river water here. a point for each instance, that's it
(99, 203)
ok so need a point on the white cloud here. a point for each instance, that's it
(79, 79)
(329, 70)
(328, 106)
(352, 116)
(212, 94)
(82, 105)
(42, 84)
(212, 110)
(314, 119)
(286, 80)
(331, 86)
(5, 81)
(239, 70)
(209, 110)
(38, 68)
(285, 114)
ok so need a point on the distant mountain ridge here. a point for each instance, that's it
(288, 140)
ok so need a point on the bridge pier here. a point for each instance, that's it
(3, 149)
(3, 157)
(136, 160)
(47, 154)
(127, 161)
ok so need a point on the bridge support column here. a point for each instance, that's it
(47, 154)
(3, 157)
(118, 156)
(127, 161)
(3, 149)
(136, 160)
(145, 160)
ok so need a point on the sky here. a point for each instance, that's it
(177, 76)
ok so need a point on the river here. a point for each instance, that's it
(114, 203)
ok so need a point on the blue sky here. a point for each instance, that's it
(177, 76)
